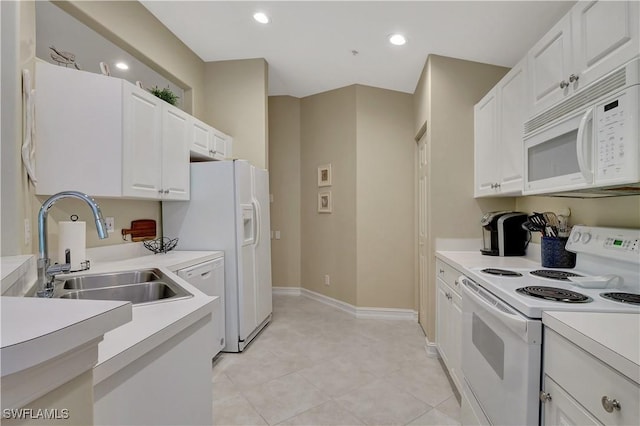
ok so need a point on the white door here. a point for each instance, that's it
(423, 243)
(264, 305)
(142, 144)
(513, 106)
(550, 65)
(175, 153)
(605, 36)
(246, 262)
(487, 171)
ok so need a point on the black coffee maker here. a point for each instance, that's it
(503, 235)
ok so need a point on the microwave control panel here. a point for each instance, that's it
(610, 129)
(616, 127)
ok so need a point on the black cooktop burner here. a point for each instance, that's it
(554, 294)
(631, 298)
(501, 272)
(554, 275)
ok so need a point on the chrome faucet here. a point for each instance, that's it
(46, 273)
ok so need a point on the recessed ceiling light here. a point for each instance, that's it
(122, 66)
(397, 39)
(261, 17)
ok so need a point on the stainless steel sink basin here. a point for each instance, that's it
(135, 293)
(138, 287)
(109, 280)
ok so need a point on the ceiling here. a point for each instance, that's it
(310, 45)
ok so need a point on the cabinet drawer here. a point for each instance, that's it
(588, 379)
(448, 274)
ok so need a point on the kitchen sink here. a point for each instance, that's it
(148, 292)
(142, 286)
(84, 282)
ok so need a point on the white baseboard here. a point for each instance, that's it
(286, 291)
(431, 348)
(362, 313)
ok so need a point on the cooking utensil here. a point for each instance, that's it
(141, 229)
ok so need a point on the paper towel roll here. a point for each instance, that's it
(72, 236)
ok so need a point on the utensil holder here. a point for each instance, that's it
(554, 255)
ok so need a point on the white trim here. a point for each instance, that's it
(431, 348)
(357, 312)
(286, 291)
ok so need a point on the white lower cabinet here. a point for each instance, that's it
(449, 320)
(580, 389)
(170, 385)
(108, 138)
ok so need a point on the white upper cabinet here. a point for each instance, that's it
(594, 38)
(605, 35)
(498, 128)
(549, 65)
(107, 138)
(208, 143)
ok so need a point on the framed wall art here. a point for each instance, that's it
(324, 202)
(324, 175)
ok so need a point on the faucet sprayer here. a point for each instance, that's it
(46, 273)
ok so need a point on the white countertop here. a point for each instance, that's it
(611, 337)
(35, 330)
(57, 322)
(474, 259)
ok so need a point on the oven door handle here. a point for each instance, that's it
(516, 322)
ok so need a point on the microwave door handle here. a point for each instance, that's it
(587, 172)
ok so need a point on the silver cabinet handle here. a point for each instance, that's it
(544, 396)
(166, 191)
(573, 78)
(160, 191)
(563, 84)
(610, 404)
(441, 271)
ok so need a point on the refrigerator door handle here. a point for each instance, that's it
(256, 210)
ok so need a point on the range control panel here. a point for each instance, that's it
(616, 243)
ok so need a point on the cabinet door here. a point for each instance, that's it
(442, 321)
(562, 409)
(549, 65)
(142, 144)
(200, 139)
(512, 103)
(485, 133)
(455, 339)
(175, 153)
(219, 145)
(605, 36)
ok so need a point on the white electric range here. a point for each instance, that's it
(502, 327)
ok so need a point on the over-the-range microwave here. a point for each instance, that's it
(588, 145)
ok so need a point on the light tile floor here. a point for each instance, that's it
(317, 365)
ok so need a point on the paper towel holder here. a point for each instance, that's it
(84, 265)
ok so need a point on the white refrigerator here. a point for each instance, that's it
(229, 211)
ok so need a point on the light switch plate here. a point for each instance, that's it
(111, 224)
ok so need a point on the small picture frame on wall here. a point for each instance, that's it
(324, 202)
(324, 175)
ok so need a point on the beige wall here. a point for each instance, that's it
(284, 184)
(236, 103)
(385, 160)
(616, 212)
(445, 95)
(131, 26)
(328, 135)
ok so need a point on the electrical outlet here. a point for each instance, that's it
(327, 280)
(111, 224)
(27, 232)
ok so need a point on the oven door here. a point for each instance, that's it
(501, 354)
